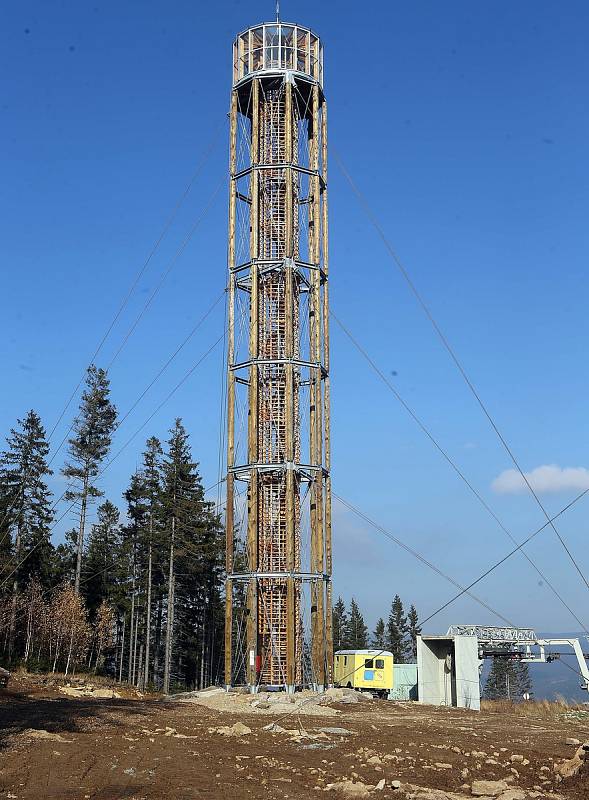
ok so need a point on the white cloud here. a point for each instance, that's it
(544, 480)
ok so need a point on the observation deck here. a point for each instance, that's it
(278, 47)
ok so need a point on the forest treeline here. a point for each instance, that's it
(138, 593)
(398, 634)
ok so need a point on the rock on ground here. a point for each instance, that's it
(349, 788)
(89, 691)
(572, 766)
(513, 794)
(336, 731)
(33, 733)
(238, 729)
(343, 695)
(488, 788)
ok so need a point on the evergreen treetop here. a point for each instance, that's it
(379, 635)
(397, 630)
(92, 432)
(356, 630)
(25, 504)
(340, 625)
(508, 679)
(414, 629)
(88, 447)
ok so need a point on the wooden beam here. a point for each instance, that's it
(288, 173)
(229, 509)
(253, 505)
(316, 420)
(290, 421)
(326, 399)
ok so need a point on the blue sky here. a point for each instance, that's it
(465, 125)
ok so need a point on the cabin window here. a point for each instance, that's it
(380, 663)
(345, 660)
(258, 48)
(369, 663)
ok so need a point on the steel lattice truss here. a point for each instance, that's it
(492, 633)
(278, 613)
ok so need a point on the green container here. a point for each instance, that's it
(404, 683)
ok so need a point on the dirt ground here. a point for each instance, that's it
(57, 746)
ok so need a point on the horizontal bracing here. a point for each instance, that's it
(259, 575)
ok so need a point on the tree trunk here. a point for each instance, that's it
(117, 649)
(210, 661)
(170, 617)
(12, 620)
(201, 682)
(131, 629)
(30, 625)
(122, 652)
(136, 666)
(140, 672)
(98, 654)
(69, 654)
(157, 642)
(148, 609)
(80, 543)
(30, 630)
(57, 648)
(12, 626)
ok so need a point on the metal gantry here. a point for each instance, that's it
(278, 518)
(494, 633)
(522, 644)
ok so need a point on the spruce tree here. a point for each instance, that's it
(497, 683)
(153, 487)
(194, 565)
(26, 509)
(523, 679)
(26, 505)
(508, 679)
(100, 564)
(379, 635)
(64, 559)
(356, 630)
(340, 625)
(131, 597)
(397, 630)
(88, 447)
(5, 537)
(414, 630)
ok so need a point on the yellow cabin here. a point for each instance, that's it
(364, 669)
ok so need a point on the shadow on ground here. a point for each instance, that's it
(19, 712)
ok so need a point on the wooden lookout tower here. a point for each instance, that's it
(278, 513)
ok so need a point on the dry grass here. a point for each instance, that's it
(42, 681)
(60, 678)
(540, 709)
